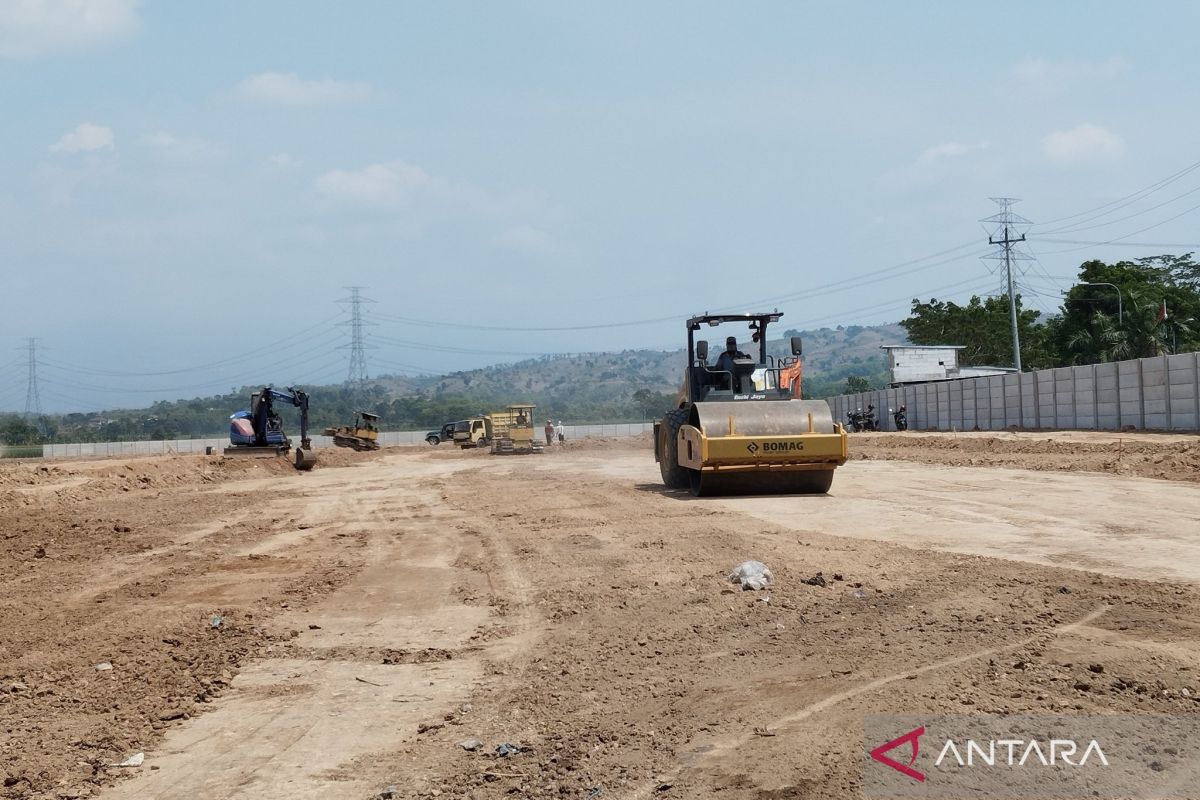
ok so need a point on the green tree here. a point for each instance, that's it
(1142, 331)
(16, 430)
(1098, 324)
(856, 384)
(983, 329)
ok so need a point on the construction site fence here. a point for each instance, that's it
(386, 439)
(1159, 393)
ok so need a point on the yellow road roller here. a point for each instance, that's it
(739, 425)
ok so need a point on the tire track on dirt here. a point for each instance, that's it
(714, 751)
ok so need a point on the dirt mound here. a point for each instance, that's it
(1140, 455)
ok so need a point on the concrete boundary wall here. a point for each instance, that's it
(1160, 393)
(386, 438)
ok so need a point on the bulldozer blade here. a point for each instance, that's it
(305, 459)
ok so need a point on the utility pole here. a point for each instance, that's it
(1004, 225)
(33, 400)
(357, 375)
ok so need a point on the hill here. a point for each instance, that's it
(587, 387)
(600, 386)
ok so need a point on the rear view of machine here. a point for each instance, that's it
(739, 425)
(511, 431)
(259, 431)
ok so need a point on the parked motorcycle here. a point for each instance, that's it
(900, 416)
(862, 420)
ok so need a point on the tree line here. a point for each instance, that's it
(1129, 309)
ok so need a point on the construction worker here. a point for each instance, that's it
(549, 433)
(558, 431)
(726, 359)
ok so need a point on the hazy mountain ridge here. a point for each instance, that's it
(830, 354)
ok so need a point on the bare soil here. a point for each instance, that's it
(342, 633)
(1173, 457)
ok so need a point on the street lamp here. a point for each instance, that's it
(1120, 307)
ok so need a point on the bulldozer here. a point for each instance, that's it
(259, 431)
(362, 435)
(511, 431)
(739, 425)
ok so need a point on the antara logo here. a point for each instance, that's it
(991, 753)
(911, 738)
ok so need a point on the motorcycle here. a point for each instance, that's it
(862, 420)
(900, 416)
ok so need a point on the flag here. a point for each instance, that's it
(1162, 312)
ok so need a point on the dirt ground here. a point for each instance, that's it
(356, 631)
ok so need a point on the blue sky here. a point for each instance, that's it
(186, 188)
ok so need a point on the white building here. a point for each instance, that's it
(911, 363)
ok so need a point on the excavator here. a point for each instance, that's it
(259, 431)
(739, 425)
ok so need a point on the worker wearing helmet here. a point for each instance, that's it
(726, 359)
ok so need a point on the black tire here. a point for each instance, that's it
(674, 476)
(432, 440)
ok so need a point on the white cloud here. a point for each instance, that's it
(1084, 142)
(377, 184)
(289, 89)
(949, 150)
(409, 198)
(37, 27)
(181, 149)
(85, 138)
(400, 185)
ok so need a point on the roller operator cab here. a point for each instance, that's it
(739, 425)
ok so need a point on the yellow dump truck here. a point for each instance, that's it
(512, 431)
(739, 425)
(470, 433)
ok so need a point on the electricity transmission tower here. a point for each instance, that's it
(33, 400)
(1002, 233)
(357, 375)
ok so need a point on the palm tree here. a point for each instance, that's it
(1139, 334)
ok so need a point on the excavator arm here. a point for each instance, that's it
(296, 398)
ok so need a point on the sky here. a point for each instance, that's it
(187, 189)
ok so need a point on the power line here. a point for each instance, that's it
(1119, 244)
(33, 401)
(844, 284)
(357, 374)
(1120, 202)
(1076, 229)
(1114, 240)
(1006, 222)
(293, 340)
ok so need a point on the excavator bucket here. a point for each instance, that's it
(305, 459)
